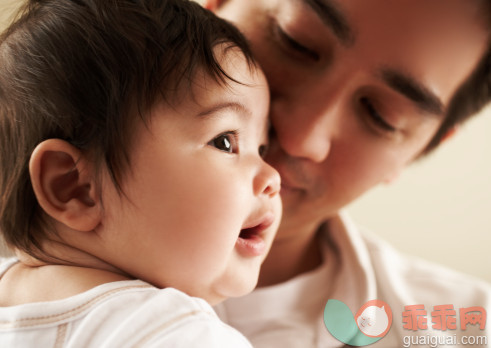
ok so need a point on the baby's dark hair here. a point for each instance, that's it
(82, 71)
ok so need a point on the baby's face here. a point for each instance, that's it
(201, 206)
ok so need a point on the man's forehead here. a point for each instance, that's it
(330, 14)
(339, 16)
(422, 29)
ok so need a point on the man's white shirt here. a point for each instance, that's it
(359, 267)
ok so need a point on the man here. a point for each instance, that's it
(359, 90)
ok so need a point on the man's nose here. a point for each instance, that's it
(308, 119)
(305, 133)
(308, 141)
(309, 122)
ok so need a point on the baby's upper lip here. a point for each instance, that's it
(259, 223)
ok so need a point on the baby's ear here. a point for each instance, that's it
(65, 185)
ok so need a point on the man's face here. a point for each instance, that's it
(358, 88)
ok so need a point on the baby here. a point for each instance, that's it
(133, 189)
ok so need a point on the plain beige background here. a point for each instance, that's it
(440, 209)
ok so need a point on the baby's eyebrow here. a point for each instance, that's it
(223, 106)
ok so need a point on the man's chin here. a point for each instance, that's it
(300, 214)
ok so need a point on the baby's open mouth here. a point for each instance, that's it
(248, 233)
(256, 227)
(250, 241)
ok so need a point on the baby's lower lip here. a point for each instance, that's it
(253, 245)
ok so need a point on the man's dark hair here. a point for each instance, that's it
(82, 71)
(473, 94)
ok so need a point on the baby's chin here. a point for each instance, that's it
(236, 289)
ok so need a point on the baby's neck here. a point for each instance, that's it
(31, 280)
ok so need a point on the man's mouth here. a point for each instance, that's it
(288, 188)
(287, 183)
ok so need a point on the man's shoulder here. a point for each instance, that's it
(419, 279)
(381, 271)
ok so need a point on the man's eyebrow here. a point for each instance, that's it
(331, 16)
(221, 106)
(409, 87)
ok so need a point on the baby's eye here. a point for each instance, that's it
(226, 142)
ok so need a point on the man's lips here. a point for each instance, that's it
(288, 185)
(288, 181)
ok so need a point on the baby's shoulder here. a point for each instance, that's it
(123, 314)
(22, 284)
(174, 319)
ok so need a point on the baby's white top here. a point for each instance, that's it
(119, 314)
